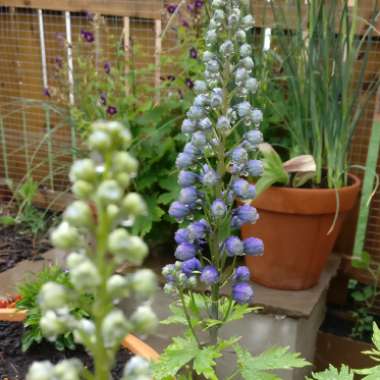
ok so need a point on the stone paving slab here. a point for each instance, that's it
(10, 278)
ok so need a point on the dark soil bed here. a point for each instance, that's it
(17, 245)
(14, 363)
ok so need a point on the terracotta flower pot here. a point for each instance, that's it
(294, 225)
(130, 342)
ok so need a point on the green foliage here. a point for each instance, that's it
(274, 171)
(261, 366)
(185, 355)
(28, 216)
(332, 373)
(29, 291)
(364, 296)
(323, 81)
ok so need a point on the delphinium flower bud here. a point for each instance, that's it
(182, 235)
(188, 126)
(253, 246)
(234, 246)
(124, 162)
(84, 330)
(223, 123)
(178, 210)
(187, 178)
(84, 170)
(144, 319)
(137, 368)
(191, 266)
(257, 116)
(251, 85)
(85, 277)
(51, 325)
(209, 275)
(65, 236)
(242, 292)
(184, 160)
(69, 369)
(82, 189)
(117, 286)
(218, 208)
(188, 196)
(143, 283)
(100, 141)
(109, 191)
(245, 214)
(254, 137)
(241, 274)
(52, 296)
(79, 214)
(209, 176)
(255, 168)
(243, 189)
(200, 87)
(134, 205)
(114, 328)
(239, 155)
(40, 371)
(198, 230)
(185, 251)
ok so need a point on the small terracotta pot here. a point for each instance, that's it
(294, 225)
(130, 342)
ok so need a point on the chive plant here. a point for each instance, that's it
(95, 232)
(324, 61)
(212, 288)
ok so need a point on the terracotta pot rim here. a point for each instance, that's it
(130, 342)
(288, 200)
(355, 183)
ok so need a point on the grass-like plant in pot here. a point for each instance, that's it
(211, 288)
(95, 232)
(324, 64)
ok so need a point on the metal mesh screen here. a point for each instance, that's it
(35, 138)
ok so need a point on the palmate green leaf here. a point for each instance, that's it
(179, 353)
(333, 374)
(260, 367)
(204, 362)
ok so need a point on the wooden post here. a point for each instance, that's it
(157, 58)
(127, 36)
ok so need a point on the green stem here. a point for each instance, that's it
(187, 315)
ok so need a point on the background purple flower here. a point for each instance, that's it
(103, 99)
(189, 83)
(111, 110)
(193, 53)
(46, 92)
(87, 36)
(171, 8)
(107, 67)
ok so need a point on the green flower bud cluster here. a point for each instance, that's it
(94, 231)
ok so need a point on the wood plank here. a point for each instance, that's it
(131, 8)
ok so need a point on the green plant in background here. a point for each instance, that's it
(109, 87)
(96, 231)
(365, 296)
(346, 373)
(324, 63)
(27, 215)
(29, 290)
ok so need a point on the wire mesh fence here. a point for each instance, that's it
(39, 46)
